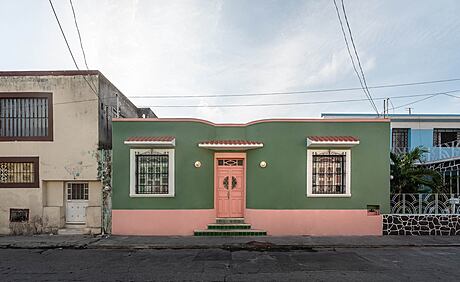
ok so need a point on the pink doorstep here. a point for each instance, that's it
(275, 222)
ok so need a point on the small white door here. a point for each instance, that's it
(77, 201)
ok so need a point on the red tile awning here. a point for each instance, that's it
(230, 144)
(151, 140)
(332, 141)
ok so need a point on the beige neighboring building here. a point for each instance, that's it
(53, 129)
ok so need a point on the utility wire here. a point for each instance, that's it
(356, 53)
(320, 102)
(293, 92)
(79, 38)
(349, 52)
(420, 100)
(353, 61)
(453, 96)
(63, 35)
(393, 106)
(301, 103)
(447, 93)
(79, 35)
(68, 46)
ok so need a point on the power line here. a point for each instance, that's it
(356, 53)
(294, 92)
(63, 35)
(320, 102)
(352, 60)
(81, 41)
(299, 103)
(447, 93)
(68, 46)
(411, 103)
(453, 96)
(393, 106)
(79, 35)
(349, 52)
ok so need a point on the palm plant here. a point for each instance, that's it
(408, 176)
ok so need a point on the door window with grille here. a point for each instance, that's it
(77, 191)
(152, 172)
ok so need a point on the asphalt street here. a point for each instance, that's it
(359, 264)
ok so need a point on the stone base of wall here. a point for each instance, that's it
(400, 224)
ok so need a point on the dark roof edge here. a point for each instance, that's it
(50, 73)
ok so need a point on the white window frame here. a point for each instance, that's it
(132, 173)
(310, 174)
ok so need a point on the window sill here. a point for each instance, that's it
(151, 195)
(328, 195)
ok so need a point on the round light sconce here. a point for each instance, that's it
(263, 164)
(197, 164)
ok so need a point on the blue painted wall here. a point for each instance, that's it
(420, 137)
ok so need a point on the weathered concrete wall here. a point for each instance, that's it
(72, 155)
(53, 193)
(108, 108)
(29, 198)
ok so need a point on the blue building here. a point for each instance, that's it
(438, 133)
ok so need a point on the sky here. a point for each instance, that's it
(186, 48)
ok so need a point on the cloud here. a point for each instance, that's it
(193, 47)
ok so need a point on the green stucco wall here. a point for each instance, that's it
(281, 185)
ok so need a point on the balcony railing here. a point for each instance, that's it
(445, 151)
(420, 203)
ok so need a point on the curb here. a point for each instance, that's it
(279, 248)
(258, 246)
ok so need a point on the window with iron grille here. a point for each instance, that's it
(26, 117)
(446, 137)
(153, 171)
(19, 172)
(400, 138)
(77, 191)
(328, 173)
(19, 215)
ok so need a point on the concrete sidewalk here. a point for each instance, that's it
(230, 243)
(47, 241)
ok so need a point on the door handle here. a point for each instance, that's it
(228, 195)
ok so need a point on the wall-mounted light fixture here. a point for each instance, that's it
(263, 164)
(197, 164)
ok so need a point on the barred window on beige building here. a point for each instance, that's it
(19, 172)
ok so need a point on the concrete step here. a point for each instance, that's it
(72, 231)
(230, 232)
(230, 220)
(217, 226)
(74, 226)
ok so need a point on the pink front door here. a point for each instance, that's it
(230, 187)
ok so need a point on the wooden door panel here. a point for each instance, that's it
(223, 208)
(230, 199)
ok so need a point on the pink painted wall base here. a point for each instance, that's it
(315, 222)
(160, 222)
(275, 222)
